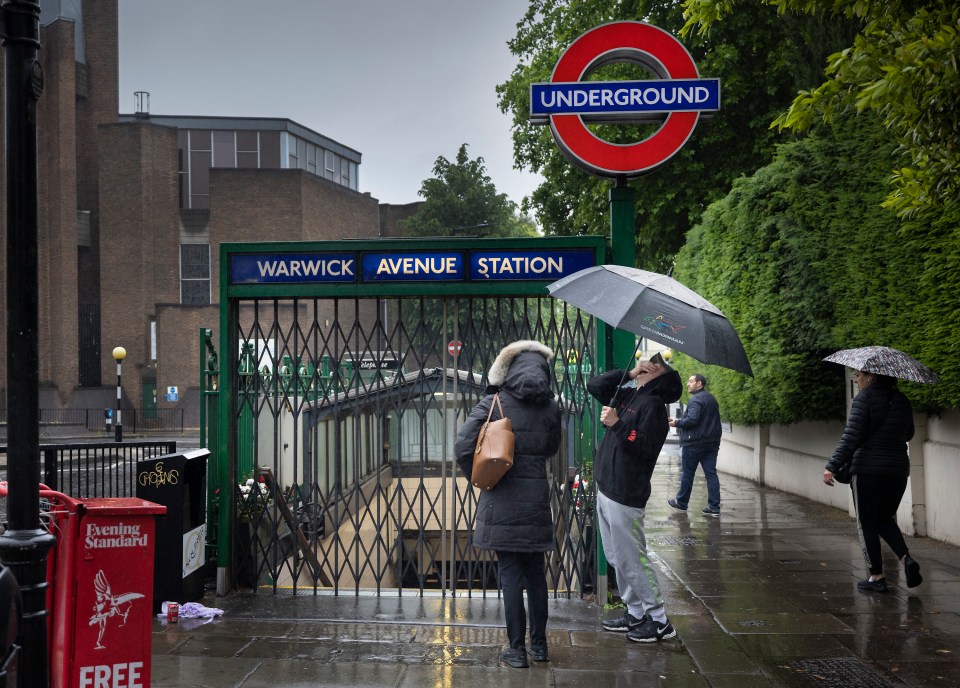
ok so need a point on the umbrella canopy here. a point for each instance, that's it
(884, 361)
(657, 307)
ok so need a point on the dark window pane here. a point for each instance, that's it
(194, 261)
(195, 292)
(270, 149)
(247, 141)
(199, 173)
(200, 201)
(224, 149)
(182, 149)
(199, 139)
(246, 160)
(182, 177)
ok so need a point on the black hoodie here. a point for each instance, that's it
(629, 449)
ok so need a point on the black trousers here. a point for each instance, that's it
(519, 571)
(876, 499)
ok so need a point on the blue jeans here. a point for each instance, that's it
(704, 455)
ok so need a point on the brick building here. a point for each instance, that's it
(133, 208)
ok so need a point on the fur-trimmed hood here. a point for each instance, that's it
(509, 353)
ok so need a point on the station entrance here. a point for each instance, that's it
(348, 368)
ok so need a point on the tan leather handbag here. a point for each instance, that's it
(493, 456)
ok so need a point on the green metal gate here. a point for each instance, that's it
(344, 398)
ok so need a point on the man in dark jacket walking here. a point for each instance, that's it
(636, 423)
(514, 518)
(700, 433)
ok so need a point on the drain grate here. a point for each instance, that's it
(793, 562)
(752, 623)
(838, 673)
(673, 540)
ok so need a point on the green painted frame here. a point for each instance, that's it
(230, 294)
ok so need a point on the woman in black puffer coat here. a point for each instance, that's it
(514, 519)
(874, 444)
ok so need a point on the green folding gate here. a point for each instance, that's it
(348, 368)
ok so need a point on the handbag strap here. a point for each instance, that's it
(483, 429)
(496, 400)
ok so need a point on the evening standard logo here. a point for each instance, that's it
(113, 536)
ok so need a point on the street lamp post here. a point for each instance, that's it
(118, 355)
(24, 544)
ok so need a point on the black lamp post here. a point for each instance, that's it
(119, 354)
(24, 545)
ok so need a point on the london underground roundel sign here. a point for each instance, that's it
(676, 98)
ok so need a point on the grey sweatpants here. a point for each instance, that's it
(625, 546)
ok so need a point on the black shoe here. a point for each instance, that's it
(515, 658)
(676, 505)
(707, 511)
(912, 569)
(650, 631)
(539, 654)
(868, 585)
(622, 624)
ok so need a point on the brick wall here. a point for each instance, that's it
(139, 242)
(67, 181)
(390, 216)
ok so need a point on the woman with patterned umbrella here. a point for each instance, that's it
(873, 449)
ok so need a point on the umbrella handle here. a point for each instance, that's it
(622, 377)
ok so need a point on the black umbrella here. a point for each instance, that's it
(657, 307)
(884, 361)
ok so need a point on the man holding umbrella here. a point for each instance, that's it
(636, 428)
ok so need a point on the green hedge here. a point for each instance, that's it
(804, 261)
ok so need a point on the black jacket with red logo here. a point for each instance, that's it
(629, 449)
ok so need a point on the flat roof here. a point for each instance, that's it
(246, 124)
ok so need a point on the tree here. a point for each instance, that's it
(762, 62)
(902, 65)
(460, 199)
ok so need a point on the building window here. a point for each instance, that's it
(354, 182)
(224, 149)
(328, 164)
(200, 160)
(248, 150)
(195, 274)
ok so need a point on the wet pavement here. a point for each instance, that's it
(764, 595)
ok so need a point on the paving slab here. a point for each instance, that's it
(763, 596)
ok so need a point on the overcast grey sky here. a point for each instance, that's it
(400, 81)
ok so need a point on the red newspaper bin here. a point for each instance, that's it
(100, 595)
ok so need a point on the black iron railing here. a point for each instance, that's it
(134, 420)
(95, 469)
